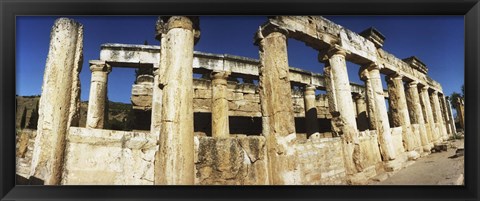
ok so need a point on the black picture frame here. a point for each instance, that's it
(9, 9)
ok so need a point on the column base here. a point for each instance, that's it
(363, 177)
(396, 164)
(413, 155)
(427, 148)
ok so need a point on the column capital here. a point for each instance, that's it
(97, 65)
(310, 89)
(266, 30)
(165, 23)
(325, 54)
(357, 96)
(220, 75)
(396, 76)
(425, 88)
(412, 84)
(435, 93)
(372, 66)
(156, 71)
(336, 50)
(363, 74)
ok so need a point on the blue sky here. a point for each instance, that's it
(436, 40)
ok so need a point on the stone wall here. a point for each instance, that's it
(25, 140)
(397, 140)
(231, 161)
(243, 99)
(320, 161)
(370, 153)
(95, 156)
(27, 112)
(107, 157)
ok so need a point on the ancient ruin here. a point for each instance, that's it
(245, 121)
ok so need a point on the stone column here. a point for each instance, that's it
(157, 95)
(59, 102)
(362, 118)
(311, 118)
(340, 98)
(442, 130)
(444, 111)
(425, 100)
(341, 105)
(176, 149)
(369, 96)
(372, 73)
(450, 114)
(96, 115)
(220, 125)
(278, 125)
(416, 113)
(461, 112)
(399, 108)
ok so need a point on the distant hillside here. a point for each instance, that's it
(120, 114)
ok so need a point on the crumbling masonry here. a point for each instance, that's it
(245, 121)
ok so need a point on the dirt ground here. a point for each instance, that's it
(442, 168)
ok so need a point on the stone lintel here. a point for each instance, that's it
(98, 65)
(374, 35)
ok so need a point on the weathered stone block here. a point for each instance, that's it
(238, 96)
(202, 103)
(231, 161)
(106, 157)
(203, 93)
(320, 161)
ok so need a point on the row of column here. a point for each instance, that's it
(172, 113)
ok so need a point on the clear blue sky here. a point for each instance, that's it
(436, 40)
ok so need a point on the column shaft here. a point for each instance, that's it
(450, 114)
(427, 111)
(59, 102)
(381, 118)
(311, 118)
(446, 120)
(341, 105)
(97, 114)
(176, 149)
(220, 124)
(370, 97)
(362, 117)
(461, 112)
(278, 125)
(399, 109)
(442, 131)
(157, 95)
(341, 93)
(416, 114)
